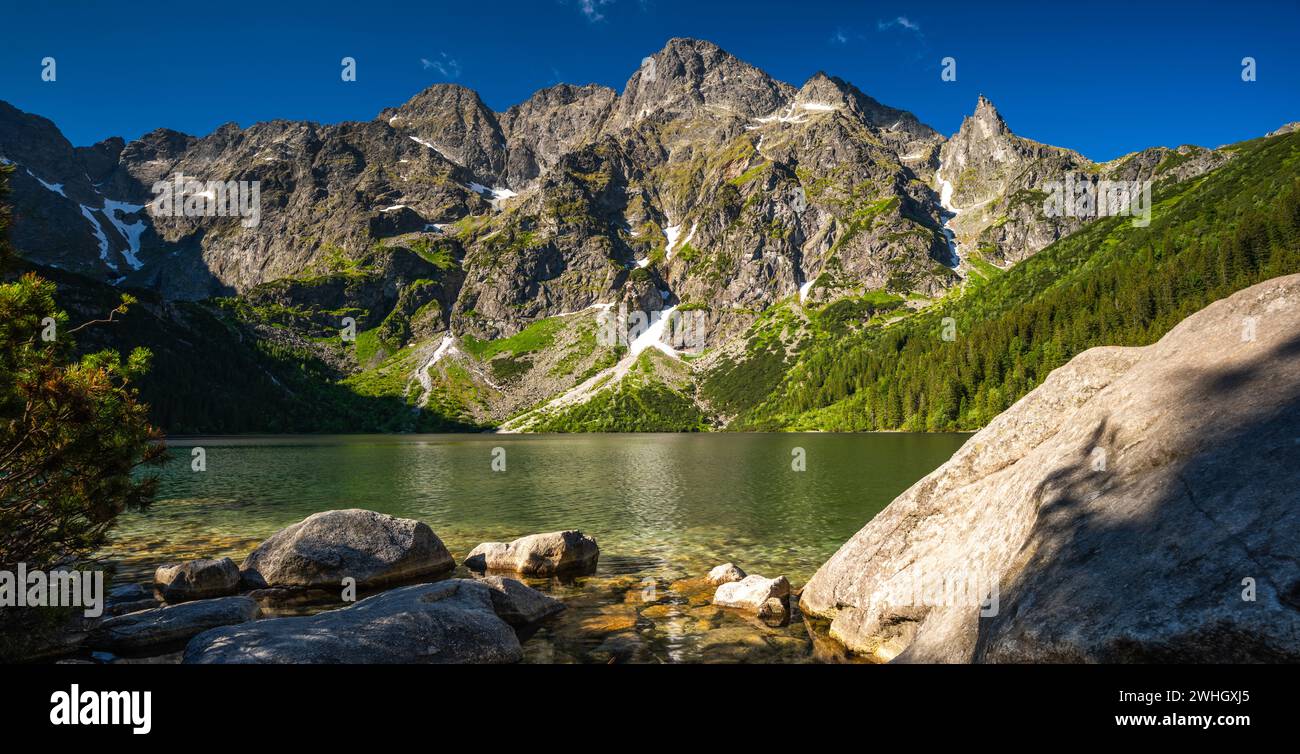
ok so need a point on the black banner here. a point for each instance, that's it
(1225, 702)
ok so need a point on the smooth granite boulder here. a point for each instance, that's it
(197, 579)
(725, 574)
(538, 554)
(751, 592)
(327, 547)
(517, 603)
(173, 623)
(449, 621)
(1141, 505)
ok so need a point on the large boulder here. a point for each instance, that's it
(538, 554)
(327, 547)
(751, 592)
(197, 579)
(449, 621)
(1139, 505)
(173, 623)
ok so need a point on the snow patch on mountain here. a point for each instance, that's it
(131, 232)
(950, 212)
(55, 187)
(99, 234)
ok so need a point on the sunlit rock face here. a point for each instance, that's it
(1137, 506)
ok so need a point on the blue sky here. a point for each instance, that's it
(1101, 78)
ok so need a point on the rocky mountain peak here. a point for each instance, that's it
(987, 119)
(690, 75)
(441, 96)
(101, 159)
(453, 120)
(822, 91)
(825, 88)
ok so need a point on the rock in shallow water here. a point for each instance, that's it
(751, 592)
(445, 622)
(197, 579)
(128, 593)
(519, 604)
(1119, 508)
(774, 610)
(725, 574)
(173, 623)
(538, 554)
(327, 547)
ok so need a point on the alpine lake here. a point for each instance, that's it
(664, 508)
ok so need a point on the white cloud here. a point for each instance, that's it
(444, 64)
(591, 9)
(839, 37)
(902, 21)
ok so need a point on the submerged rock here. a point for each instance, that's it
(197, 579)
(130, 598)
(725, 574)
(752, 592)
(774, 609)
(519, 604)
(449, 621)
(128, 593)
(172, 623)
(538, 554)
(610, 619)
(1138, 506)
(327, 547)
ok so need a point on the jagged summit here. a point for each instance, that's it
(987, 119)
(453, 120)
(692, 74)
(822, 89)
(693, 44)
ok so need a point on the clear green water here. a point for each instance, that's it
(664, 508)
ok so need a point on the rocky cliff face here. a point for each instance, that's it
(690, 128)
(550, 124)
(1137, 506)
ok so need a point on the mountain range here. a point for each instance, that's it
(481, 256)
